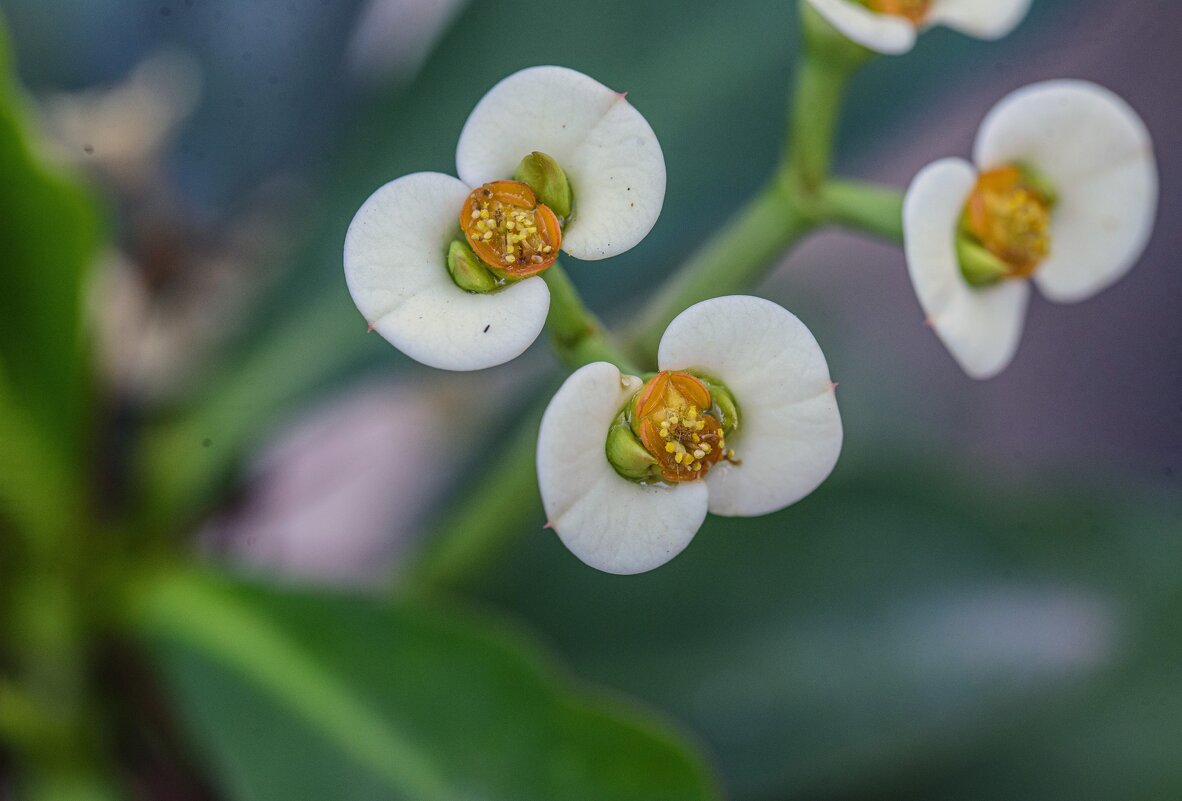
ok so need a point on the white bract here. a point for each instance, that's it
(1092, 160)
(786, 442)
(396, 249)
(891, 26)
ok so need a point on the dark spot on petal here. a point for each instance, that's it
(88, 149)
(487, 327)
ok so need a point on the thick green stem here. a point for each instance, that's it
(830, 59)
(738, 256)
(577, 335)
(876, 210)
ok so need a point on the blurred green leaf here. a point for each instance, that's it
(49, 236)
(296, 696)
(894, 633)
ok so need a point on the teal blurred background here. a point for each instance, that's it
(984, 601)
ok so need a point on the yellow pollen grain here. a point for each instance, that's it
(510, 258)
(697, 466)
(705, 445)
(670, 447)
(484, 214)
(678, 457)
(699, 453)
(547, 249)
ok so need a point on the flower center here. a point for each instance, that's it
(1011, 218)
(673, 416)
(914, 10)
(509, 230)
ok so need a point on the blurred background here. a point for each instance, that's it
(984, 602)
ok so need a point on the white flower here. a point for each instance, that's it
(891, 26)
(1063, 191)
(397, 247)
(786, 441)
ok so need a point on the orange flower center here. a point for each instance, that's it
(509, 230)
(671, 416)
(1011, 219)
(914, 10)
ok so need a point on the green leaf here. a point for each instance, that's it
(898, 628)
(49, 236)
(295, 696)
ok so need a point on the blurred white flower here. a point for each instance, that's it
(1063, 191)
(123, 130)
(741, 421)
(392, 38)
(891, 26)
(495, 235)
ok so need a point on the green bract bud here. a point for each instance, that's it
(467, 270)
(728, 410)
(978, 265)
(627, 455)
(1040, 183)
(548, 181)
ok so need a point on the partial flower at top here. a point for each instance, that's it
(1063, 192)
(891, 26)
(740, 421)
(448, 269)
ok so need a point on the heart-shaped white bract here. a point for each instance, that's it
(787, 442)
(606, 148)
(1096, 153)
(893, 34)
(396, 247)
(396, 268)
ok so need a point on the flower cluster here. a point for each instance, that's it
(740, 417)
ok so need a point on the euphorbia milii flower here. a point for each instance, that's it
(741, 420)
(1063, 191)
(891, 26)
(447, 269)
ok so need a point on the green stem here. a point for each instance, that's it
(577, 335)
(876, 210)
(488, 519)
(830, 60)
(738, 256)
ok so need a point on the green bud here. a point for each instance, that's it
(1040, 183)
(727, 408)
(627, 455)
(548, 181)
(467, 270)
(978, 265)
